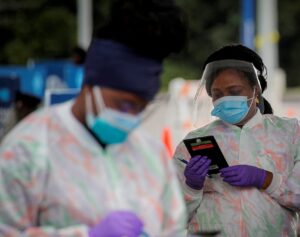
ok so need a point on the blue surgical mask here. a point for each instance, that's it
(109, 126)
(112, 126)
(231, 109)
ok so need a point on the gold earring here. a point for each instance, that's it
(257, 100)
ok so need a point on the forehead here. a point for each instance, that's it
(229, 77)
(109, 93)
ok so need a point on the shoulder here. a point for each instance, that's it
(30, 136)
(33, 127)
(26, 127)
(24, 150)
(280, 122)
(284, 127)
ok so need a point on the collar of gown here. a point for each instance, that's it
(256, 119)
(77, 129)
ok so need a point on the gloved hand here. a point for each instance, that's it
(196, 171)
(118, 224)
(244, 176)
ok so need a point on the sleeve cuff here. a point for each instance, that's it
(190, 191)
(275, 184)
(75, 231)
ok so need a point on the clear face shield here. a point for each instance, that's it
(108, 125)
(204, 98)
(127, 109)
(119, 119)
(113, 125)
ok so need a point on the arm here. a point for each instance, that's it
(268, 180)
(173, 204)
(192, 197)
(286, 190)
(23, 177)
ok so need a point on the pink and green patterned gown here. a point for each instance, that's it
(266, 141)
(56, 180)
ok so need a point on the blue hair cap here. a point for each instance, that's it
(114, 65)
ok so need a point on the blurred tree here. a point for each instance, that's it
(51, 35)
(36, 29)
(47, 29)
(211, 25)
(289, 44)
(101, 12)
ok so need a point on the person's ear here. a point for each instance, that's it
(257, 91)
(87, 88)
(257, 100)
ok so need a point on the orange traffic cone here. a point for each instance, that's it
(167, 141)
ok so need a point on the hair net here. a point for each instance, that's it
(114, 65)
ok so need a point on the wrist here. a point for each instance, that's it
(268, 180)
(193, 186)
(92, 232)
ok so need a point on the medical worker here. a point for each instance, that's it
(257, 195)
(84, 168)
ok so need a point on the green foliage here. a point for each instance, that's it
(53, 34)
(101, 12)
(211, 25)
(47, 29)
(55, 29)
(289, 45)
(50, 33)
(16, 52)
(175, 68)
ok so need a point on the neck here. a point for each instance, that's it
(78, 109)
(249, 116)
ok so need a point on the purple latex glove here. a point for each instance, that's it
(118, 224)
(196, 171)
(244, 176)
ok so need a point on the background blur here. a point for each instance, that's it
(32, 29)
(38, 39)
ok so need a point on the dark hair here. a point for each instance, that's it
(155, 28)
(78, 55)
(240, 52)
(25, 104)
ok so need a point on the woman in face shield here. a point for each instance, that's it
(257, 194)
(81, 168)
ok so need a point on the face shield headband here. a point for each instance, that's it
(203, 102)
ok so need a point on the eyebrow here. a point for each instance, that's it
(229, 87)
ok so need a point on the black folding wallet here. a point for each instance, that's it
(207, 146)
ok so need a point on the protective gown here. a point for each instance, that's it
(266, 141)
(56, 180)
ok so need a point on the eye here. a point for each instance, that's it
(236, 91)
(216, 95)
(129, 107)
